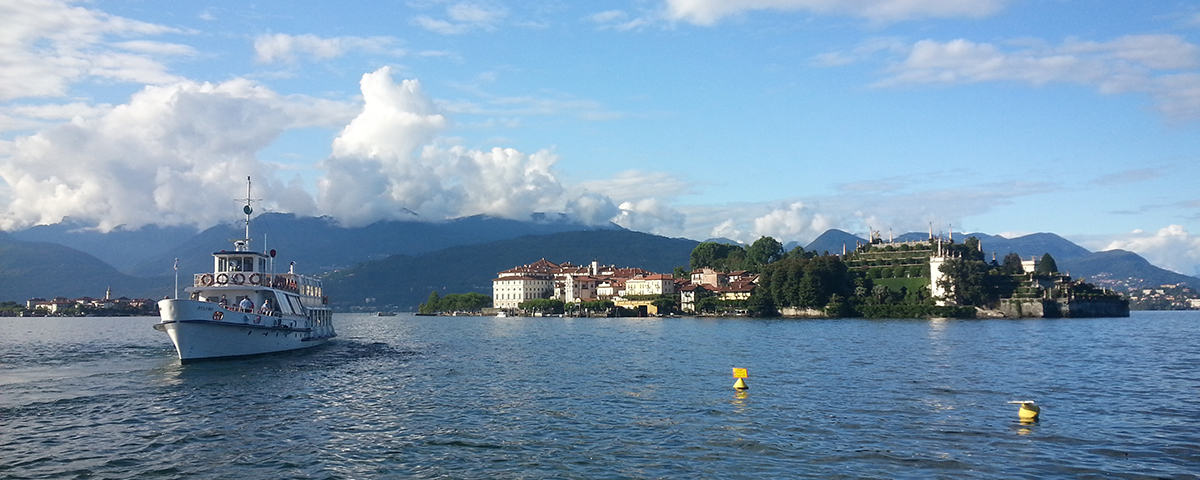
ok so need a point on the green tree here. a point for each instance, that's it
(1012, 265)
(763, 251)
(972, 249)
(707, 254)
(681, 272)
(761, 304)
(1047, 265)
(967, 281)
(432, 305)
(838, 307)
(916, 271)
(808, 294)
(719, 256)
(799, 252)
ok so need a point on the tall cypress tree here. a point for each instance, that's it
(1047, 265)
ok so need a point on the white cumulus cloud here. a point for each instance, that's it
(388, 163)
(1171, 247)
(793, 222)
(174, 155)
(650, 215)
(47, 45)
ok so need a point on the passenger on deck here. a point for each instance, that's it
(247, 305)
(224, 303)
(266, 307)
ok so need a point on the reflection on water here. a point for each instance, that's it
(472, 397)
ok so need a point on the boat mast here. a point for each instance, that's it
(243, 244)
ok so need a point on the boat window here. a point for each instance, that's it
(295, 303)
(262, 264)
(248, 264)
(222, 264)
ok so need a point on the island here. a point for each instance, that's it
(938, 277)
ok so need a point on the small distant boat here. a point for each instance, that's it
(243, 308)
(385, 314)
(501, 314)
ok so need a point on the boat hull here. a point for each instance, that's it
(204, 330)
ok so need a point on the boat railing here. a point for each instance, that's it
(281, 281)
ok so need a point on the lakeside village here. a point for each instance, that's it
(81, 307)
(934, 278)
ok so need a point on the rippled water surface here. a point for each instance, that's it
(470, 397)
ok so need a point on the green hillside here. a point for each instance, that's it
(39, 269)
(404, 281)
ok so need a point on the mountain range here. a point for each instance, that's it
(398, 263)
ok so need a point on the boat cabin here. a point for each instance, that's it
(243, 274)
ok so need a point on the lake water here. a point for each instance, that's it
(470, 397)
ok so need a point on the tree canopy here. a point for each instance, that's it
(719, 256)
(763, 251)
(455, 302)
(1012, 264)
(1047, 265)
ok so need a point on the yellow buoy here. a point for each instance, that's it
(739, 374)
(1028, 411)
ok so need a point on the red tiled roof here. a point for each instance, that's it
(520, 277)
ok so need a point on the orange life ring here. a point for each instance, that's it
(222, 278)
(206, 280)
(255, 279)
(239, 278)
(218, 316)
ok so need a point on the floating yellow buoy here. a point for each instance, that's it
(1028, 411)
(739, 374)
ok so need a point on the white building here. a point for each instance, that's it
(508, 292)
(941, 296)
(657, 284)
(1031, 265)
(527, 282)
(572, 288)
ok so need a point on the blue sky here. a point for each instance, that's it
(689, 118)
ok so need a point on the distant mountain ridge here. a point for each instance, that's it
(405, 281)
(41, 269)
(315, 243)
(45, 268)
(122, 248)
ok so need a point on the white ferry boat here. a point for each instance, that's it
(244, 308)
